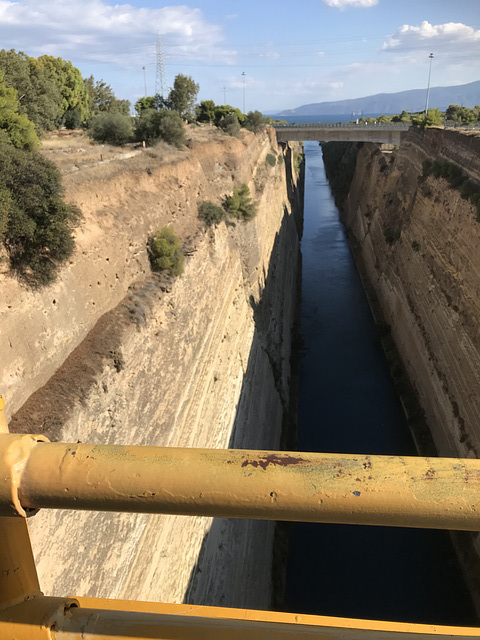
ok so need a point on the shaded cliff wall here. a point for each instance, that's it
(201, 361)
(418, 243)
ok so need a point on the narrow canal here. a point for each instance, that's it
(348, 405)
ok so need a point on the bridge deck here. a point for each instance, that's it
(342, 132)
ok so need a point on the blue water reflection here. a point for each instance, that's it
(347, 404)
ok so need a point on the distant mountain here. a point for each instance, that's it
(467, 95)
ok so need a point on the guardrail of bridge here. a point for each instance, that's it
(341, 125)
(388, 490)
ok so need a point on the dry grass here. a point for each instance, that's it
(75, 154)
(74, 150)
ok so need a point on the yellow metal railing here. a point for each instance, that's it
(380, 490)
(436, 493)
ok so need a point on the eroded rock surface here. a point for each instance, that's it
(113, 354)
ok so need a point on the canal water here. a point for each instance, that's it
(347, 404)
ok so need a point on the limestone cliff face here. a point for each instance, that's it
(201, 361)
(419, 243)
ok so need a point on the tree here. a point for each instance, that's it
(433, 118)
(254, 121)
(145, 103)
(403, 117)
(156, 102)
(464, 115)
(70, 84)
(38, 233)
(152, 126)
(111, 128)
(206, 111)
(6, 209)
(39, 97)
(101, 98)
(224, 110)
(230, 124)
(17, 129)
(183, 95)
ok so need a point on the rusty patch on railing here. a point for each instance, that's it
(275, 459)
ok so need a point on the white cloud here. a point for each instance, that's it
(93, 30)
(434, 36)
(343, 4)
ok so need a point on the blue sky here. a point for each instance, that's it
(292, 53)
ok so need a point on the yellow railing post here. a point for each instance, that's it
(3, 417)
(18, 575)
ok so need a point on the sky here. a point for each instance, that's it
(255, 54)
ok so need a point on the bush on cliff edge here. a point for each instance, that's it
(210, 213)
(240, 205)
(165, 252)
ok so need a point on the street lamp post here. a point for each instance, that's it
(430, 57)
(243, 75)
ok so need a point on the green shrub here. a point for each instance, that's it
(210, 213)
(271, 159)
(6, 206)
(391, 235)
(72, 119)
(151, 126)
(111, 128)
(37, 224)
(165, 252)
(254, 121)
(230, 124)
(240, 205)
(298, 159)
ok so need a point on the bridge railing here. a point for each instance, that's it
(342, 125)
(36, 473)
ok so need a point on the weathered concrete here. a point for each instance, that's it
(321, 132)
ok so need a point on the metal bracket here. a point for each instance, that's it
(14, 452)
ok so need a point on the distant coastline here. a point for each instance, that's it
(466, 95)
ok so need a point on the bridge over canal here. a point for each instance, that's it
(342, 132)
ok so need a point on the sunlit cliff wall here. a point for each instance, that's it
(112, 354)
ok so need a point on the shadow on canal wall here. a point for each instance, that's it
(234, 567)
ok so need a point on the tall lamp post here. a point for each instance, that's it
(145, 81)
(430, 57)
(243, 75)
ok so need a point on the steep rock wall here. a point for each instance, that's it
(418, 244)
(202, 361)
(121, 205)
